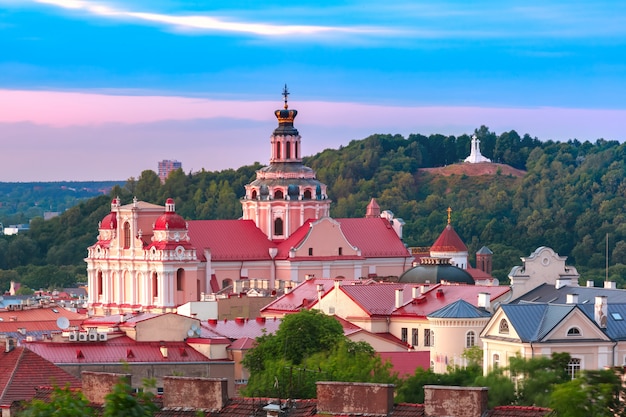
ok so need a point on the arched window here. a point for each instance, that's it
(295, 145)
(279, 194)
(278, 227)
(180, 282)
(573, 367)
(277, 150)
(253, 195)
(288, 150)
(496, 360)
(227, 283)
(470, 339)
(573, 331)
(504, 327)
(155, 285)
(99, 285)
(307, 195)
(126, 235)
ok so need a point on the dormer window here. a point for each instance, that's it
(573, 332)
(504, 327)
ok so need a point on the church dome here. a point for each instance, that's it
(436, 270)
(110, 220)
(448, 241)
(170, 220)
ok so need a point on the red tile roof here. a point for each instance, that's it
(405, 363)
(37, 319)
(22, 370)
(375, 237)
(303, 295)
(448, 241)
(238, 328)
(518, 411)
(115, 350)
(431, 301)
(229, 240)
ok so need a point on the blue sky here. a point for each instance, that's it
(112, 87)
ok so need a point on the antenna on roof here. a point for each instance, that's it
(63, 323)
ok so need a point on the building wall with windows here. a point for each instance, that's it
(452, 337)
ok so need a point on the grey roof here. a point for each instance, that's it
(484, 251)
(546, 293)
(459, 309)
(532, 322)
(616, 320)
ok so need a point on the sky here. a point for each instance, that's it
(103, 90)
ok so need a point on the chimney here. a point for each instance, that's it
(96, 385)
(423, 288)
(260, 320)
(399, 298)
(272, 410)
(600, 311)
(455, 401)
(562, 282)
(484, 300)
(610, 285)
(572, 299)
(590, 283)
(439, 293)
(320, 291)
(354, 398)
(415, 292)
(9, 344)
(197, 393)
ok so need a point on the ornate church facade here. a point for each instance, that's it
(148, 258)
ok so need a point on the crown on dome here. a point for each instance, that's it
(285, 116)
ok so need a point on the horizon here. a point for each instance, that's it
(94, 90)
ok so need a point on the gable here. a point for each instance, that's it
(492, 329)
(325, 239)
(576, 319)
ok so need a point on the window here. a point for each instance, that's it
(307, 195)
(310, 251)
(288, 148)
(179, 279)
(405, 334)
(573, 367)
(340, 251)
(253, 196)
(504, 327)
(126, 235)
(573, 331)
(278, 194)
(415, 337)
(496, 360)
(155, 285)
(429, 337)
(470, 339)
(278, 227)
(277, 150)
(616, 316)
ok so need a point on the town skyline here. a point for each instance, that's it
(104, 90)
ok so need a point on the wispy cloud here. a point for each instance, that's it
(204, 22)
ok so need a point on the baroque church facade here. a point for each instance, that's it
(148, 258)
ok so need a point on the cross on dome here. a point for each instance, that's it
(285, 94)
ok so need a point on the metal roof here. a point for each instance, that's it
(460, 309)
(546, 293)
(532, 322)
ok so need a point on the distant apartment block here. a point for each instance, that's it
(166, 166)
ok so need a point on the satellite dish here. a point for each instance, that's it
(190, 333)
(63, 323)
(194, 327)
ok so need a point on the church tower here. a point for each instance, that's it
(286, 193)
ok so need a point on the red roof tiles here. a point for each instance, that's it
(22, 370)
(448, 241)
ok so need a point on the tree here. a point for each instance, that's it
(64, 402)
(594, 393)
(536, 377)
(123, 402)
(277, 360)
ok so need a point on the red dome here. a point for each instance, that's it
(109, 221)
(169, 221)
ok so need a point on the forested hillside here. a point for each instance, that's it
(572, 196)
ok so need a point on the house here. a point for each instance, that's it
(148, 258)
(22, 371)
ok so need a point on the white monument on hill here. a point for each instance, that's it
(475, 155)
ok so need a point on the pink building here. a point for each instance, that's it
(147, 257)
